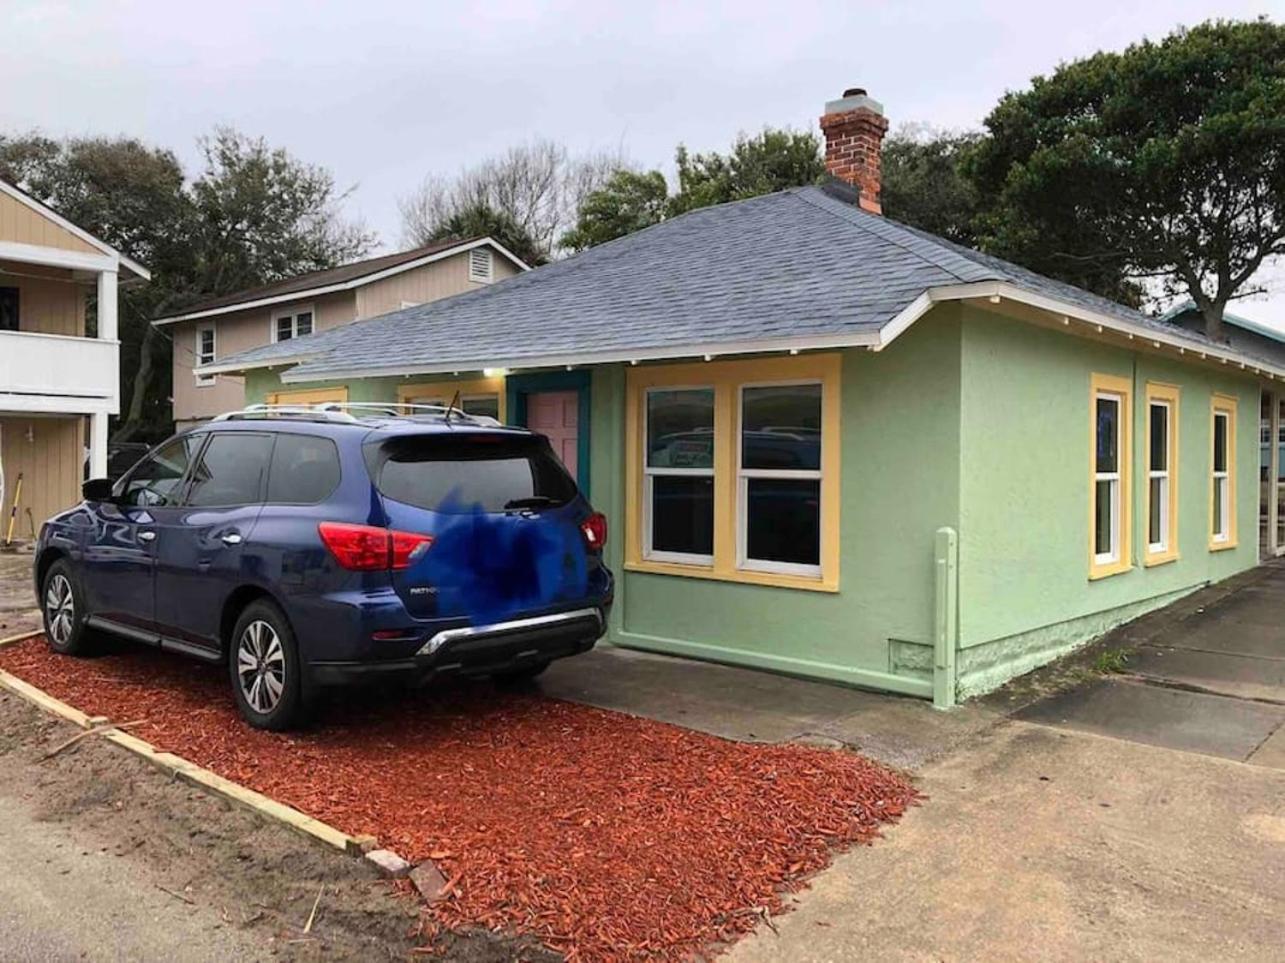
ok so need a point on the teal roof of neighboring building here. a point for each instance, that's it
(802, 268)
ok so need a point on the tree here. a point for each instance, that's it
(1164, 164)
(628, 202)
(482, 220)
(631, 200)
(924, 185)
(538, 186)
(254, 215)
(771, 161)
(266, 215)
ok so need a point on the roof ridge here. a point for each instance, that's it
(869, 221)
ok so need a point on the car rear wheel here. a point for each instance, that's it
(267, 676)
(64, 611)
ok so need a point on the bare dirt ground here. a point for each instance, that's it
(103, 857)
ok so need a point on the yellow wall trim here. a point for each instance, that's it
(313, 396)
(1169, 394)
(725, 378)
(1115, 385)
(441, 392)
(1223, 404)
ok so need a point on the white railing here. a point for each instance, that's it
(58, 366)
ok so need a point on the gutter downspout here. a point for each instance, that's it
(946, 618)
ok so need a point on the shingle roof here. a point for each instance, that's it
(801, 263)
(344, 274)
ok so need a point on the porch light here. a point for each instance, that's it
(794, 351)
(994, 299)
(494, 372)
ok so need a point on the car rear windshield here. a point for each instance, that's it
(461, 473)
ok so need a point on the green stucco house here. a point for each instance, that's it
(834, 446)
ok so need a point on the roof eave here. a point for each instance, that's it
(997, 291)
(349, 285)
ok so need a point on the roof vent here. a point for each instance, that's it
(480, 266)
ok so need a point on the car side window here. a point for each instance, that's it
(157, 480)
(305, 470)
(232, 470)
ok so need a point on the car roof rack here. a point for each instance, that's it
(351, 412)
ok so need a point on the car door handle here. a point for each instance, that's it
(147, 536)
(231, 538)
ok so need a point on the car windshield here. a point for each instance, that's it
(468, 472)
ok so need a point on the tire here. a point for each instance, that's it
(265, 669)
(63, 605)
(520, 675)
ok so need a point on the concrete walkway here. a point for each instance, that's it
(1207, 679)
(1139, 816)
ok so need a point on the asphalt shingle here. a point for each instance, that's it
(798, 263)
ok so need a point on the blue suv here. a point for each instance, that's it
(313, 547)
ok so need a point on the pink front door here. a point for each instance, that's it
(555, 413)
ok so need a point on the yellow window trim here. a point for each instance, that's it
(1112, 384)
(311, 396)
(726, 377)
(446, 391)
(1224, 404)
(1169, 394)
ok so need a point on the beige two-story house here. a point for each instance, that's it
(310, 303)
(59, 373)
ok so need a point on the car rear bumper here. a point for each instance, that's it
(479, 649)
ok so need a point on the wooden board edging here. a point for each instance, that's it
(189, 772)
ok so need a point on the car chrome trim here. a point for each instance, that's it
(447, 636)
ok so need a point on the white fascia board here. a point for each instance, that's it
(234, 367)
(1012, 292)
(52, 215)
(358, 282)
(32, 404)
(57, 257)
(863, 339)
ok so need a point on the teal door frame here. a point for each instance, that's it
(520, 386)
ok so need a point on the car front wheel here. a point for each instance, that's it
(62, 604)
(267, 677)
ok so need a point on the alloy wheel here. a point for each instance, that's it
(60, 609)
(261, 666)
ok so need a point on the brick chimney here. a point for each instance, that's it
(854, 127)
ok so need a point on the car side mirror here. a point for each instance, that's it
(97, 490)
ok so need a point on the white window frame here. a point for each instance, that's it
(743, 476)
(1222, 479)
(481, 277)
(205, 381)
(293, 314)
(649, 473)
(1162, 546)
(1115, 478)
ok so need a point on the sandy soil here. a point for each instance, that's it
(122, 841)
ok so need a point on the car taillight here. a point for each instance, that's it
(594, 530)
(367, 548)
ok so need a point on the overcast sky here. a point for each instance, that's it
(383, 92)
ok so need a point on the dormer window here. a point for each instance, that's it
(480, 266)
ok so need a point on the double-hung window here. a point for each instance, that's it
(678, 475)
(733, 470)
(1222, 507)
(1109, 534)
(294, 323)
(205, 352)
(779, 479)
(1162, 480)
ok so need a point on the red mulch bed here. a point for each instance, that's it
(607, 836)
